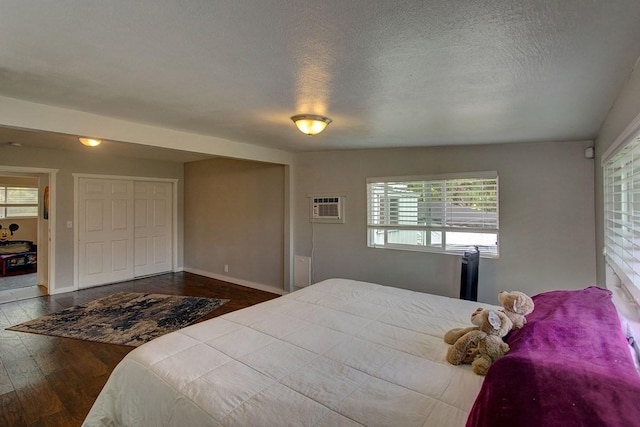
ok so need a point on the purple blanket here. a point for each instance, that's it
(569, 366)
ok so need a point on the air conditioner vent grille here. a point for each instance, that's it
(327, 209)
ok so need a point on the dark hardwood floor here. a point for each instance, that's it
(50, 381)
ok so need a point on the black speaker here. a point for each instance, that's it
(469, 275)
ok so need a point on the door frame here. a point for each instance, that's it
(50, 271)
(76, 213)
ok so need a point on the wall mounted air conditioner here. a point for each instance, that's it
(327, 208)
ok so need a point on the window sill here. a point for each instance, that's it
(435, 251)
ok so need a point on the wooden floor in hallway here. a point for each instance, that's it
(51, 381)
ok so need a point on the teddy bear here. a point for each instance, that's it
(482, 344)
(451, 336)
(516, 306)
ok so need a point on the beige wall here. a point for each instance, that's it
(622, 113)
(93, 162)
(547, 238)
(235, 216)
(28, 228)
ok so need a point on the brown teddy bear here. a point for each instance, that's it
(481, 344)
(451, 336)
(516, 306)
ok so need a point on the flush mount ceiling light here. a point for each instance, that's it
(90, 142)
(310, 124)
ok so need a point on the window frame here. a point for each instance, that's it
(5, 206)
(621, 225)
(375, 210)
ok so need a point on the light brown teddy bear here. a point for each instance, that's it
(484, 344)
(451, 336)
(516, 306)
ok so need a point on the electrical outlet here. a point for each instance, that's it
(226, 268)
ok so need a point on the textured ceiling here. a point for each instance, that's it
(389, 73)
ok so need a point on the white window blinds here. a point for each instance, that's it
(18, 202)
(449, 213)
(622, 214)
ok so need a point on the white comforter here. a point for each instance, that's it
(337, 353)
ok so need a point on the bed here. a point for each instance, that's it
(17, 255)
(337, 353)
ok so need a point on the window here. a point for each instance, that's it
(449, 213)
(18, 202)
(621, 173)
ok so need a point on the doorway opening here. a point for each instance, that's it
(24, 232)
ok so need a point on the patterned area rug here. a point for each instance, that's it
(125, 318)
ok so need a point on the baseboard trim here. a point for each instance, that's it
(235, 281)
(60, 290)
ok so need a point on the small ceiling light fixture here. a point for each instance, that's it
(90, 142)
(310, 124)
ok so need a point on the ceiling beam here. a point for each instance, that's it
(29, 115)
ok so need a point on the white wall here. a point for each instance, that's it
(547, 238)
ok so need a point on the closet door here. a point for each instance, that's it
(153, 227)
(105, 231)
